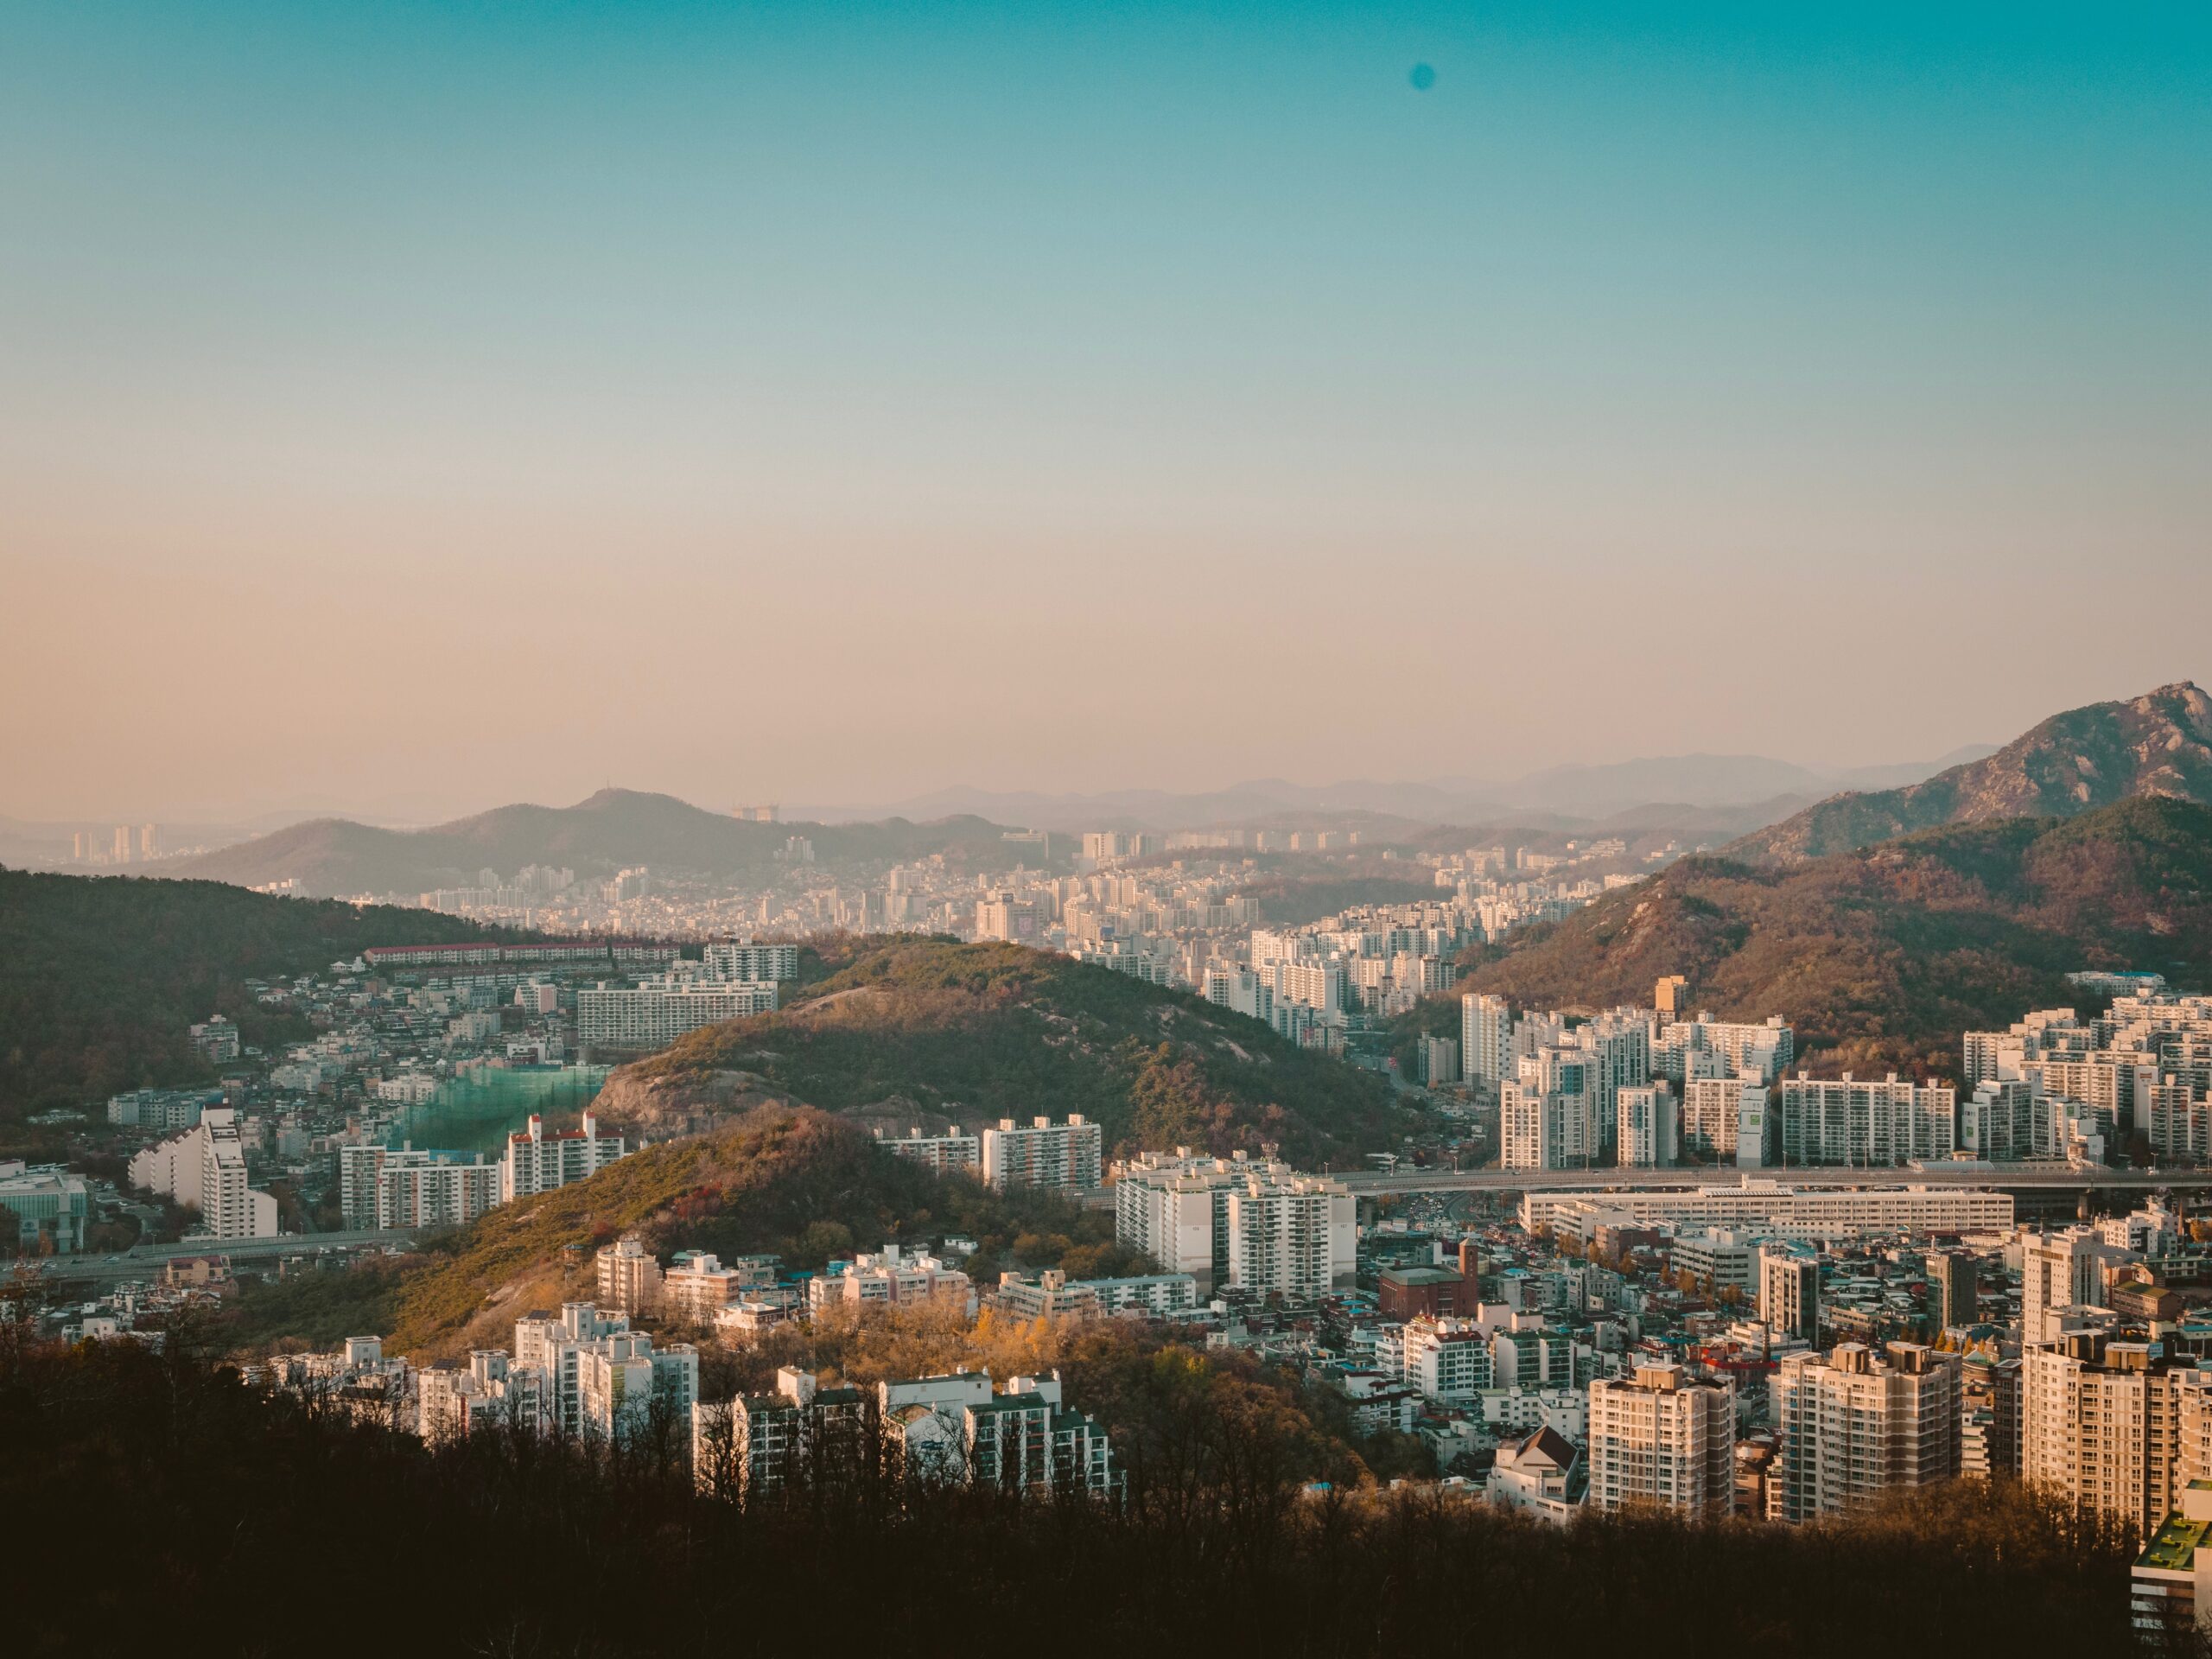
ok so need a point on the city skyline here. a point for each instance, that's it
(869, 401)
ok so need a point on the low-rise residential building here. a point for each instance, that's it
(534, 1161)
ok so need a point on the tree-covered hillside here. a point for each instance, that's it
(1881, 957)
(980, 1031)
(101, 977)
(796, 1183)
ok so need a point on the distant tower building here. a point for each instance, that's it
(1671, 999)
(1790, 1294)
(1951, 1278)
(768, 813)
(1486, 1039)
(123, 843)
(81, 847)
(149, 841)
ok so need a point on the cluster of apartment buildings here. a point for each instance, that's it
(1642, 1088)
(382, 1187)
(2056, 1085)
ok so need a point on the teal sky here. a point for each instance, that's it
(878, 398)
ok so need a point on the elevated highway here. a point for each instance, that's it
(2045, 1179)
(145, 1261)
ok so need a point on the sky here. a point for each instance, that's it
(412, 408)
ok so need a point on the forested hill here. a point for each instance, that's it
(928, 1030)
(101, 977)
(1880, 958)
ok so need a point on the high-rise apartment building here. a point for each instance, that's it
(1067, 1157)
(629, 1277)
(1485, 1040)
(1863, 1123)
(1647, 1126)
(954, 1149)
(2112, 1426)
(1656, 1437)
(1954, 1287)
(1297, 1237)
(1790, 1293)
(659, 1010)
(1989, 1418)
(204, 1169)
(733, 959)
(2059, 1271)
(1726, 1119)
(1851, 1426)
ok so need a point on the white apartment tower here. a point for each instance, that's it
(2111, 1427)
(1658, 1438)
(1647, 1126)
(2058, 1271)
(534, 1161)
(1297, 1236)
(1486, 1039)
(1853, 1426)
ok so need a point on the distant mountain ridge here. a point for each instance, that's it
(1703, 781)
(2158, 744)
(612, 829)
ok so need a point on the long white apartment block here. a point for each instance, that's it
(955, 1149)
(408, 1187)
(1864, 1122)
(1067, 1157)
(1776, 1210)
(659, 1010)
(727, 959)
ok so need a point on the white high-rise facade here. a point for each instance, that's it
(1656, 1437)
(1648, 1130)
(1853, 1426)
(2111, 1427)
(1062, 1157)
(1863, 1123)
(1486, 1039)
(1297, 1236)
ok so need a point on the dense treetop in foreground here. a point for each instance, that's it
(981, 1031)
(1218, 1543)
(101, 977)
(1881, 957)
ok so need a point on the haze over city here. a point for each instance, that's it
(411, 412)
(1040, 830)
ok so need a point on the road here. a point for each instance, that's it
(2008, 1177)
(146, 1260)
